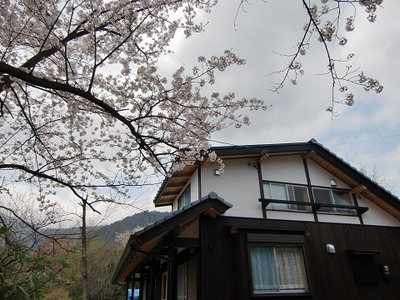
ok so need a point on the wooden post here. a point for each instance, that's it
(171, 290)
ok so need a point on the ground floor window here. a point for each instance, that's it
(164, 283)
(182, 279)
(277, 264)
(365, 271)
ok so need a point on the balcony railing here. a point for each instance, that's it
(315, 207)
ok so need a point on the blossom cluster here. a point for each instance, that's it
(325, 20)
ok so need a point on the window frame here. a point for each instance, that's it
(364, 267)
(185, 198)
(278, 241)
(336, 204)
(164, 285)
(332, 209)
(288, 206)
(182, 282)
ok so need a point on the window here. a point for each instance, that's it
(133, 290)
(164, 283)
(364, 268)
(278, 191)
(182, 282)
(184, 199)
(333, 197)
(277, 267)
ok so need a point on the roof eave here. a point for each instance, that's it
(211, 204)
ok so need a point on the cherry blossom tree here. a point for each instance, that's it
(83, 107)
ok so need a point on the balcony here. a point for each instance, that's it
(312, 207)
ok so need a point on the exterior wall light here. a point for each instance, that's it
(333, 182)
(330, 249)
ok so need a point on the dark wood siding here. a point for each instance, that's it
(225, 274)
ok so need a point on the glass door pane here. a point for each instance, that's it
(278, 192)
(300, 194)
(343, 198)
(323, 196)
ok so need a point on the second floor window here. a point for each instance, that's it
(279, 191)
(184, 199)
(283, 196)
(333, 198)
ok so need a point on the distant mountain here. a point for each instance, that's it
(108, 232)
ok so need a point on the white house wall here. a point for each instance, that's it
(238, 185)
(286, 215)
(284, 169)
(320, 177)
(376, 215)
(194, 187)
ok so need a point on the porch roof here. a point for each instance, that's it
(143, 244)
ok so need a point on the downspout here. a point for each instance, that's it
(199, 180)
(309, 186)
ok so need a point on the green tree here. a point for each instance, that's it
(25, 273)
(102, 258)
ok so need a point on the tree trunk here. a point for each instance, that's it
(84, 253)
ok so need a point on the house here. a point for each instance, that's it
(283, 221)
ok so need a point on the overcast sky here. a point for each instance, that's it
(365, 135)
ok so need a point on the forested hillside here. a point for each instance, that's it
(53, 264)
(109, 232)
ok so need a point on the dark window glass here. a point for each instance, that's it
(323, 196)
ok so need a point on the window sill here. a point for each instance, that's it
(282, 294)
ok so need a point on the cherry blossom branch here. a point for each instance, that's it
(32, 226)
(329, 34)
(45, 83)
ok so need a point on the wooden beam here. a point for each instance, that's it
(212, 213)
(359, 189)
(233, 230)
(206, 162)
(309, 154)
(174, 185)
(184, 243)
(263, 157)
(180, 175)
